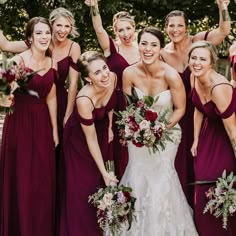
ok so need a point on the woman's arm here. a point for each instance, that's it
(232, 52)
(216, 36)
(101, 33)
(85, 109)
(222, 96)
(197, 121)
(73, 78)
(11, 46)
(52, 107)
(178, 96)
(110, 131)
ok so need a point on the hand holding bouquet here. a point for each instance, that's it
(12, 78)
(222, 198)
(115, 207)
(143, 126)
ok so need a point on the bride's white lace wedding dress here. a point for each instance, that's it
(161, 207)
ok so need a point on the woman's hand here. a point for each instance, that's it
(6, 100)
(90, 3)
(110, 135)
(194, 148)
(110, 178)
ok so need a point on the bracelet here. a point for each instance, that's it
(225, 15)
(94, 11)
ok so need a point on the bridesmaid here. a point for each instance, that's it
(27, 163)
(175, 54)
(87, 146)
(214, 145)
(120, 53)
(232, 54)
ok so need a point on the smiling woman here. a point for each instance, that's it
(27, 163)
(87, 145)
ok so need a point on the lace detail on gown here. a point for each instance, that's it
(161, 207)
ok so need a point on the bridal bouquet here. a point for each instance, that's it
(12, 78)
(143, 126)
(115, 207)
(222, 198)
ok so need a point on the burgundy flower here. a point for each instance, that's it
(158, 133)
(137, 144)
(127, 195)
(140, 103)
(150, 115)
(9, 76)
(134, 126)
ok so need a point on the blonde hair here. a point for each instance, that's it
(123, 16)
(208, 45)
(62, 12)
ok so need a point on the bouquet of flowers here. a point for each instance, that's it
(12, 78)
(222, 198)
(143, 126)
(115, 206)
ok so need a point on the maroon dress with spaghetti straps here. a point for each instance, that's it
(78, 217)
(184, 158)
(117, 64)
(63, 71)
(27, 164)
(214, 155)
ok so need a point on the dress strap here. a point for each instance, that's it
(86, 97)
(70, 48)
(220, 84)
(162, 58)
(22, 59)
(206, 35)
(112, 46)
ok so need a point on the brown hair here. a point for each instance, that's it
(176, 13)
(85, 59)
(155, 32)
(30, 29)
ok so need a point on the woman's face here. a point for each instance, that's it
(61, 28)
(99, 73)
(200, 61)
(125, 32)
(149, 48)
(176, 28)
(42, 36)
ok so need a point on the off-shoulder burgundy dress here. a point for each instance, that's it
(27, 164)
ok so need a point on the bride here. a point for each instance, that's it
(161, 207)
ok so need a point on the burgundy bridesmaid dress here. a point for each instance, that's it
(78, 217)
(27, 164)
(214, 155)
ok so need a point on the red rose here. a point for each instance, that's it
(134, 126)
(9, 76)
(127, 196)
(137, 144)
(150, 115)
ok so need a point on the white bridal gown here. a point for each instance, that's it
(161, 207)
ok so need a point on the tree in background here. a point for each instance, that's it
(203, 14)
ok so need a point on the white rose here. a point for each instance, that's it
(107, 199)
(144, 124)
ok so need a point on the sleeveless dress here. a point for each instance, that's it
(214, 155)
(78, 217)
(27, 164)
(117, 64)
(63, 71)
(161, 207)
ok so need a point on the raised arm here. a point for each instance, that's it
(85, 109)
(101, 33)
(11, 46)
(73, 78)
(216, 36)
(232, 54)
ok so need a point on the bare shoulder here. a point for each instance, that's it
(171, 74)
(75, 50)
(232, 49)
